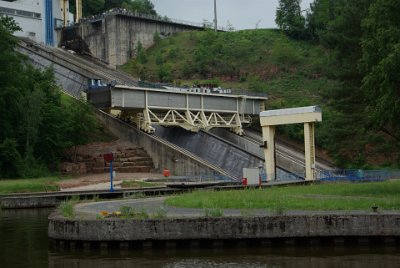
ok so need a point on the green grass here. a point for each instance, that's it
(213, 212)
(333, 196)
(132, 213)
(159, 213)
(67, 209)
(137, 184)
(29, 185)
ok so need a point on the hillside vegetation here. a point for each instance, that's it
(37, 122)
(292, 73)
(342, 55)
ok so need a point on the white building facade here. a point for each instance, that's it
(38, 19)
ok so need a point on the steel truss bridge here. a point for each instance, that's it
(189, 110)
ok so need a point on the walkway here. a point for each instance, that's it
(153, 206)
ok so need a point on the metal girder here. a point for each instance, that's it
(189, 110)
(192, 120)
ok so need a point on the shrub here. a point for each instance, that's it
(67, 209)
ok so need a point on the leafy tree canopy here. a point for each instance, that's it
(36, 125)
(289, 18)
(93, 7)
(380, 63)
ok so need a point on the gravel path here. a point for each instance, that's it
(102, 181)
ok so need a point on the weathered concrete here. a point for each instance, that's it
(29, 202)
(39, 200)
(282, 160)
(114, 38)
(225, 155)
(70, 78)
(221, 228)
(164, 155)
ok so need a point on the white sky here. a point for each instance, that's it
(241, 14)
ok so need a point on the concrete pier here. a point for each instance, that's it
(295, 228)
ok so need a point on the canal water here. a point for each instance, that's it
(24, 243)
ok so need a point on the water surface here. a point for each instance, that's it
(24, 243)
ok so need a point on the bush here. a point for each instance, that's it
(10, 159)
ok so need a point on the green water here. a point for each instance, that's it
(24, 243)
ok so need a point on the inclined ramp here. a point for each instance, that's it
(214, 152)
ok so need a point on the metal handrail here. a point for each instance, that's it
(357, 175)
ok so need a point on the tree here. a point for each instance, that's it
(35, 124)
(321, 12)
(92, 7)
(141, 6)
(289, 18)
(337, 26)
(380, 64)
(112, 4)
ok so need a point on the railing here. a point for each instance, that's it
(123, 11)
(201, 177)
(358, 175)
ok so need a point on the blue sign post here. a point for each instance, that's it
(110, 158)
(111, 177)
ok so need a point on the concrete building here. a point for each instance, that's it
(39, 19)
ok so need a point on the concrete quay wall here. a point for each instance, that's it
(29, 202)
(224, 228)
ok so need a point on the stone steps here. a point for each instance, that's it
(131, 169)
(125, 160)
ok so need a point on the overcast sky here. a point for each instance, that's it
(241, 14)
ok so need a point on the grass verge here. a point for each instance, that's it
(29, 185)
(138, 184)
(334, 196)
(67, 206)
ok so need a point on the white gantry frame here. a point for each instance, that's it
(306, 115)
(195, 119)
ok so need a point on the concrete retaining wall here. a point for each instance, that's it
(212, 149)
(40, 200)
(254, 148)
(29, 202)
(225, 227)
(115, 38)
(70, 78)
(163, 155)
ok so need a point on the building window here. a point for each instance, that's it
(20, 13)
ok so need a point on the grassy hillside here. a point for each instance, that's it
(292, 73)
(259, 60)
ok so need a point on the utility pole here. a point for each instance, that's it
(215, 16)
